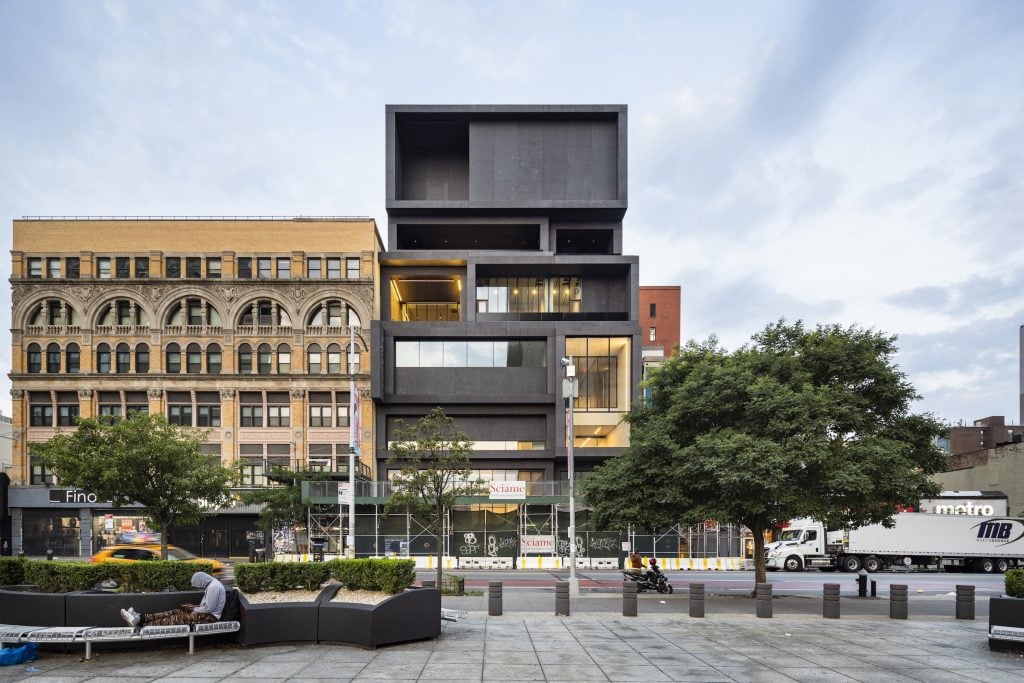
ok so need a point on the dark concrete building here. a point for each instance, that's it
(504, 256)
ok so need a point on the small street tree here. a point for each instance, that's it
(434, 461)
(799, 423)
(141, 459)
(282, 505)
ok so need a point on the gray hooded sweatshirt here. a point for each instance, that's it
(213, 598)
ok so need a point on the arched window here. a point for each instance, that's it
(142, 359)
(333, 359)
(173, 358)
(213, 359)
(265, 313)
(35, 358)
(265, 360)
(52, 312)
(193, 359)
(53, 358)
(284, 359)
(245, 359)
(333, 313)
(124, 358)
(353, 358)
(191, 312)
(121, 313)
(103, 358)
(72, 358)
(314, 360)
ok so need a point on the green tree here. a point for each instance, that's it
(283, 505)
(434, 461)
(799, 423)
(141, 459)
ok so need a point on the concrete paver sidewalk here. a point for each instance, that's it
(528, 646)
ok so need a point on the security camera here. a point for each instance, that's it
(565, 362)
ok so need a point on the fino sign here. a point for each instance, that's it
(72, 496)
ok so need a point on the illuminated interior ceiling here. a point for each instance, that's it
(427, 290)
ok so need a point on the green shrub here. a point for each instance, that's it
(1015, 583)
(391, 576)
(131, 577)
(281, 576)
(12, 571)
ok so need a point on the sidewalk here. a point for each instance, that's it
(588, 646)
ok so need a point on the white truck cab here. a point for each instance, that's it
(800, 545)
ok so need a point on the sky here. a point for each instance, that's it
(859, 163)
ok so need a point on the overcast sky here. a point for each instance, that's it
(850, 162)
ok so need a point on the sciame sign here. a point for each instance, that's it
(72, 496)
(507, 490)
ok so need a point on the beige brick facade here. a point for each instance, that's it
(179, 295)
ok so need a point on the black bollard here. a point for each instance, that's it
(21, 553)
(494, 599)
(49, 553)
(830, 602)
(965, 602)
(862, 584)
(898, 608)
(697, 600)
(629, 598)
(561, 598)
(252, 550)
(874, 588)
(764, 600)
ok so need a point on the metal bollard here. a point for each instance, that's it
(561, 598)
(21, 553)
(429, 583)
(49, 553)
(629, 598)
(494, 599)
(697, 600)
(898, 601)
(830, 601)
(965, 602)
(764, 600)
(874, 588)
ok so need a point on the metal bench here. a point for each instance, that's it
(111, 634)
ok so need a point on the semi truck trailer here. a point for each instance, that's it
(953, 542)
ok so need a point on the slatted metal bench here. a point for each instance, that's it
(111, 634)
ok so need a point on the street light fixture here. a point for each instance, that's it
(354, 427)
(570, 391)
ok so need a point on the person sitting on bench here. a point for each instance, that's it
(207, 611)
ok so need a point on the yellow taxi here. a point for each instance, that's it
(140, 552)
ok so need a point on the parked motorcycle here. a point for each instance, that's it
(649, 581)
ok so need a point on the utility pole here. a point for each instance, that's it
(569, 388)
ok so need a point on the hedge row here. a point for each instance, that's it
(390, 576)
(131, 577)
(1015, 583)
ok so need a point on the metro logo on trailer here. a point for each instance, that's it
(995, 530)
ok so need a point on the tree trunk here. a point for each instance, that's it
(163, 540)
(440, 543)
(759, 571)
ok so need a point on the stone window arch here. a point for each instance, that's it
(284, 359)
(330, 316)
(142, 359)
(72, 358)
(53, 358)
(334, 359)
(244, 359)
(263, 315)
(314, 359)
(34, 360)
(214, 359)
(173, 363)
(120, 316)
(264, 360)
(123, 361)
(103, 358)
(193, 314)
(193, 359)
(51, 313)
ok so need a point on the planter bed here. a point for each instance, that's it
(411, 615)
(1006, 623)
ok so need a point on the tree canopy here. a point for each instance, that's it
(798, 423)
(433, 457)
(141, 459)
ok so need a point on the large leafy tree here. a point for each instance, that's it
(433, 457)
(141, 459)
(797, 423)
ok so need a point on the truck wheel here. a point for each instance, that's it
(793, 564)
(851, 563)
(986, 566)
(872, 564)
(1002, 566)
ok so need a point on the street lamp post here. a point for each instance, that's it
(354, 426)
(569, 389)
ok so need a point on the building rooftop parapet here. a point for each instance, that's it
(195, 218)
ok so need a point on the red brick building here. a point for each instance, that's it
(660, 319)
(988, 432)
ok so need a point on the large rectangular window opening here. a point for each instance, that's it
(426, 299)
(471, 353)
(529, 295)
(603, 376)
(490, 237)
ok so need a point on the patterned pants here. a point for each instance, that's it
(174, 617)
